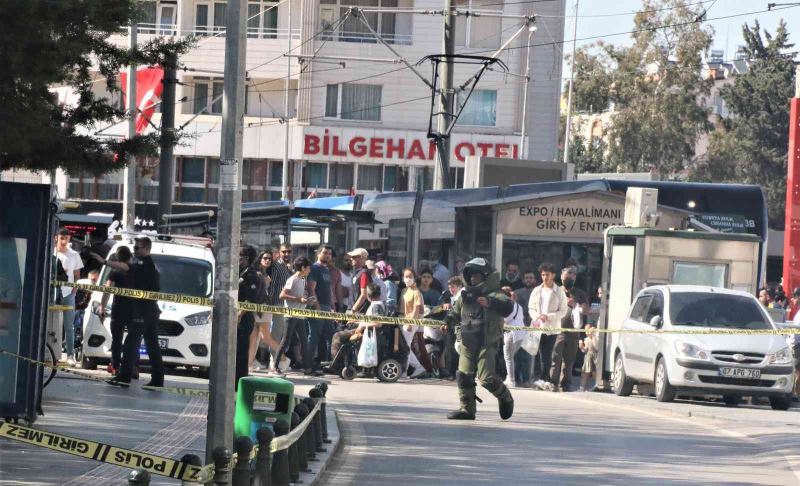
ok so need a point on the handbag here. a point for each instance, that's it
(530, 343)
(368, 352)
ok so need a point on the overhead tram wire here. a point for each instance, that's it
(619, 14)
(649, 29)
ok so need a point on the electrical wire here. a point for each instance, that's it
(649, 29)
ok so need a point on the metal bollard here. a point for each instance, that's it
(264, 457)
(316, 432)
(192, 460)
(294, 467)
(280, 460)
(222, 462)
(302, 457)
(307, 438)
(139, 477)
(241, 470)
(323, 390)
(316, 395)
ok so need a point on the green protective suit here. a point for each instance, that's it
(481, 332)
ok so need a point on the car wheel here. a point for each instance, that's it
(623, 386)
(664, 391)
(780, 403)
(348, 373)
(88, 363)
(389, 370)
(732, 400)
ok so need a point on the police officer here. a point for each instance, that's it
(145, 313)
(477, 316)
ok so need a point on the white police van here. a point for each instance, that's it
(186, 267)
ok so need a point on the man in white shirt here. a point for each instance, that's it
(72, 264)
(565, 349)
(547, 306)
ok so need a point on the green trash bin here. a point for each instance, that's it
(260, 402)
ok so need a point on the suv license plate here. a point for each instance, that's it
(740, 373)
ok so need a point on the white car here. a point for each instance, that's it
(184, 331)
(714, 364)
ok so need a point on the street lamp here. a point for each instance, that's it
(523, 153)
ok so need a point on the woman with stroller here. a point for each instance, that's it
(413, 307)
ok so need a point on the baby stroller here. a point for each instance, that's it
(390, 363)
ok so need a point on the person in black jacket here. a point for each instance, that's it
(144, 314)
(251, 285)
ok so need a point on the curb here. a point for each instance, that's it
(333, 450)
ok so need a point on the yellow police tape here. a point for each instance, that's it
(400, 321)
(60, 308)
(135, 459)
(105, 453)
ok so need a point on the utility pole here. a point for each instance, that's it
(229, 220)
(441, 169)
(166, 164)
(571, 80)
(285, 167)
(129, 180)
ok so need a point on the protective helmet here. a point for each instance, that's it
(478, 265)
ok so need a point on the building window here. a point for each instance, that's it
(341, 177)
(481, 108)
(207, 96)
(457, 177)
(392, 29)
(369, 177)
(349, 101)
(262, 20)
(425, 178)
(395, 178)
(478, 31)
(209, 18)
(315, 175)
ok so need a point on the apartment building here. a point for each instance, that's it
(358, 116)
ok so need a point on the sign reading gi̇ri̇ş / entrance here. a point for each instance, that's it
(577, 217)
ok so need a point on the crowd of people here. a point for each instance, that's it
(271, 343)
(360, 284)
(776, 299)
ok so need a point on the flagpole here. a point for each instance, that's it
(129, 179)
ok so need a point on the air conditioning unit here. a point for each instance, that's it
(641, 207)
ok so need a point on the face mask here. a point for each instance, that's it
(511, 276)
(569, 283)
(409, 281)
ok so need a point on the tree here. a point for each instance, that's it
(751, 145)
(593, 78)
(654, 86)
(657, 86)
(48, 44)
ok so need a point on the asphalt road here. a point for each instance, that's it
(398, 434)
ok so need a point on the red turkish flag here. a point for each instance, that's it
(148, 89)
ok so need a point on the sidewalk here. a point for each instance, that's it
(159, 423)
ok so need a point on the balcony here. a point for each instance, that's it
(366, 38)
(219, 31)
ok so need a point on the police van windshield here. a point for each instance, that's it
(182, 275)
(706, 309)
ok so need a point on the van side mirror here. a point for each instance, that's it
(655, 321)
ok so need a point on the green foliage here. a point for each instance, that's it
(751, 145)
(654, 87)
(47, 44)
